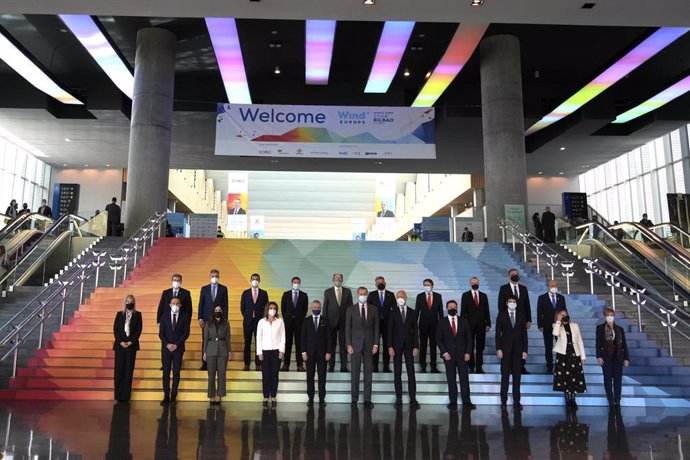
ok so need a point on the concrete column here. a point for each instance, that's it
(150, 133)
(505, 169)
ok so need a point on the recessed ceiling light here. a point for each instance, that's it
(406, 72)
(107, 166)
(477, 2)
(86, 166)
(560, 173)
(379, 162)
(421, 35)
(562, 148)
(67, 139)
(64, 164)
(277, 70)
(540, 172)
(274, 32)
(428, 74)
(369, 2)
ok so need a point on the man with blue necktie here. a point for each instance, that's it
(546, 308)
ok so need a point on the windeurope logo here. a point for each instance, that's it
(280, 116)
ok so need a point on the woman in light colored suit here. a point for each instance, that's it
(568, 375)
(217, 353)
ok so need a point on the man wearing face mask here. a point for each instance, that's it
(511, 348)
(173, 332)
(362, 330)
(317, 347)
(252, 305)
(519, 292)
(293, 307)
(211, 296)
(384, 301)
(336, 301)
(474, 307)
(429, 308)
(175, 291)
(547, 304)
(403, 341)
(454, 341)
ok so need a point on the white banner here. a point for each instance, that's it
(325, 131)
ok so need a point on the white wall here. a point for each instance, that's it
(98, 187)
(546, 191)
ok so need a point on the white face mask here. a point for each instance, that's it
(610, 319)
(272, 312)
(428, 288)
(295, 286)
(553, 290)
(255, 283)
(512, 306)
(175, 308)
(401, 301)
(214, 280)
(362, 299)
(176, 284)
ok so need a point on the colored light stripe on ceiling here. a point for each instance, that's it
(392, 45)
(226, 46)
(24, 66)
(90, 35)
(459, 51)
(319, 50)
(659, 100)
(659, 40)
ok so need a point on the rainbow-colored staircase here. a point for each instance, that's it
(77, 362)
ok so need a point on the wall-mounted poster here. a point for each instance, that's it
(385, 196)
(238, 187)
(256, 227)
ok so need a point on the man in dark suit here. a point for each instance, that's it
(113, 217)
(454, 341)
(384, 301)
(403, 341)
(474, 307)
(175, 291)
(511, 348)
(467, 236)
(547, 304)
(384, 212)
(211, 296)
(237, 210)
(336, 301)
(173, 332)
(429, 307)
(515, 289)
(293, 307)
(252, 305)
(362, 338)
(44, 209)
(317, 347)
(548, 222)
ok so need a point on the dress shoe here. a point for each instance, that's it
(369, 405)
(331, 369)
(434, 370)
(387, 370)
(274, 404)
(173, 400)
(524, 371)
(245, 368)
(617, 403)
(452, 405)
(160, 368)
(414, 405)
(398, 403)
(258, 368)
(504, 404)
(344, 369)
(549, 369)
(265, 404)
(480, 371)
(375, 370)
(322, 403)
(353, 404)
(423, 370)
(165, 401)
(284, 368)
(468, 405)
(203, 367)
(517, 405)
(301, 368)
(310, 403)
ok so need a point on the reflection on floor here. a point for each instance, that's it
(144, 430)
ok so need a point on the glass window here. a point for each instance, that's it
(676, 151)
(622, 168)
(634, 162)
(679, 177)
(649, 198)
(663, 190)
(610, 171)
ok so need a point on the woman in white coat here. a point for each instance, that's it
(568, 375)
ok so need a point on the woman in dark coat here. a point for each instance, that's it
(217, 353)
(612, 354)
(127, 330)
(538, 229)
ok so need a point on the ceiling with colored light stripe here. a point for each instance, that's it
(598, 91)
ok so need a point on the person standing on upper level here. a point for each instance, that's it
(645, 221)
(429, 308)
(252, 305)
(293, 307)
(384, 301)
(548, 223)
(336, 301)
(520, 293)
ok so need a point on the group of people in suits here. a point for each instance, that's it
(373, 323)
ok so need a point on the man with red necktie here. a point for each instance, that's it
(454, 342)
(429, 307)
(474, 307)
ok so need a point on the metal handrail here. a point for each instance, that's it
(538, 248)
(641, 299)
(673, 227)
(650, 235)
(14, 335)
(18, 221)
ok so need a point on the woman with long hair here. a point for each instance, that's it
(270, 348)
(127, 330)
(568, 375)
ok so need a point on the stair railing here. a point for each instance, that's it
(33, 316)
(513, 233)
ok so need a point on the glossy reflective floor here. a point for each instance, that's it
(60, 430)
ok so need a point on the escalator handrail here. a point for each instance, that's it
(673, 227)
(646, 232)
(17, 222)
(634, 253)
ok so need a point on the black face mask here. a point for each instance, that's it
(129, 306)
(475, 287)
(381, 286)
(515, 278)
(565, 319)
(217, 315)
(453, 312)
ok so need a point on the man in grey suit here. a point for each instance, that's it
(362, 336)
(336, 301)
